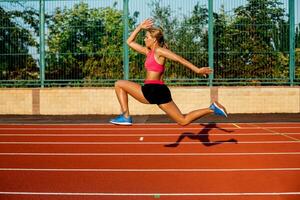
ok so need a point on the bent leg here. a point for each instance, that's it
(123, 88)
(173, 111)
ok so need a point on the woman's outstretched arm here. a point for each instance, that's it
(172, 56)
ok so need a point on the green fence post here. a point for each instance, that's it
(210, 40)
(292, 41)
(125, 36)
(42, 42)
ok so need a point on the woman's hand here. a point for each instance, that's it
(148, 23)
(204, 71)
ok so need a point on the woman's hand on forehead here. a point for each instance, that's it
(148, 23)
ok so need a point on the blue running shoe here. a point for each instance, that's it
(218, 109)
(121, 120)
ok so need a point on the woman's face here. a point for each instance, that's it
(149, 40)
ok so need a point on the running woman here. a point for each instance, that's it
(154, 91)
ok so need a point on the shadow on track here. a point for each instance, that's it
(203, 136)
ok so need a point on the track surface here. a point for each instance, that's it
(244, 161)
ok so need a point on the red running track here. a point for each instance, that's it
(153, 161)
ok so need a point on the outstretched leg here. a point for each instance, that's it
(123, 88)
(173, 111)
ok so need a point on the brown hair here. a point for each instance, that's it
(157, 33)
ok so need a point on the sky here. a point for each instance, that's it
(180, 7)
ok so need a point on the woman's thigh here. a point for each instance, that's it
(134, 89)
(173, 111)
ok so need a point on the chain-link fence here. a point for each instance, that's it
(81, 42)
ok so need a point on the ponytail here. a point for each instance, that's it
(157, 33)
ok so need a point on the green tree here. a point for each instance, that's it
(297, 36)
(224, 37)
(297, 61)
(15, 40)
(297, 52)
(250, 44)
(254, 28)
(85, 43)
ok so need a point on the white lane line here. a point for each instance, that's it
(136, 129)
(149, 154)
(135, 135)
(144, 124)
(111, 129)
(144, 143)
(149, 170)
(155, 194)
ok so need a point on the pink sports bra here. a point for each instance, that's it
(152, 65)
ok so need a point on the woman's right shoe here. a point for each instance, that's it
(121, 120)
(218, 109)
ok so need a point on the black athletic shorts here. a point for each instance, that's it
(156, 93)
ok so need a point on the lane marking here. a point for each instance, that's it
(236, 125)
(150, 154)
(149, 170)
(145, 143)
(269, 129)
(142, 124)
(138, 129)
(133, 135)
(152, 194)
(282, 134)
(276, 132)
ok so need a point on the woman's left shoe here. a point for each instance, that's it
(121, 120)
(218, 109)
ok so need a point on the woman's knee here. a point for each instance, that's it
(120, 83)
(183, 122)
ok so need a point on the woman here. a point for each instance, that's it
(154, 90)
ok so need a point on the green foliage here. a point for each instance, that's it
(297, 61)
(85, 43)
(15, 41)
(252, 44)
(249, 44)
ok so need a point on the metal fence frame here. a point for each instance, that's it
(210, 81)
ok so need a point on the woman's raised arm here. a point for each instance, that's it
(148, 23)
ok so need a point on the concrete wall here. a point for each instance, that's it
(67, 101)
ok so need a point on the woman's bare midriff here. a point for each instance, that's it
(151, 75)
